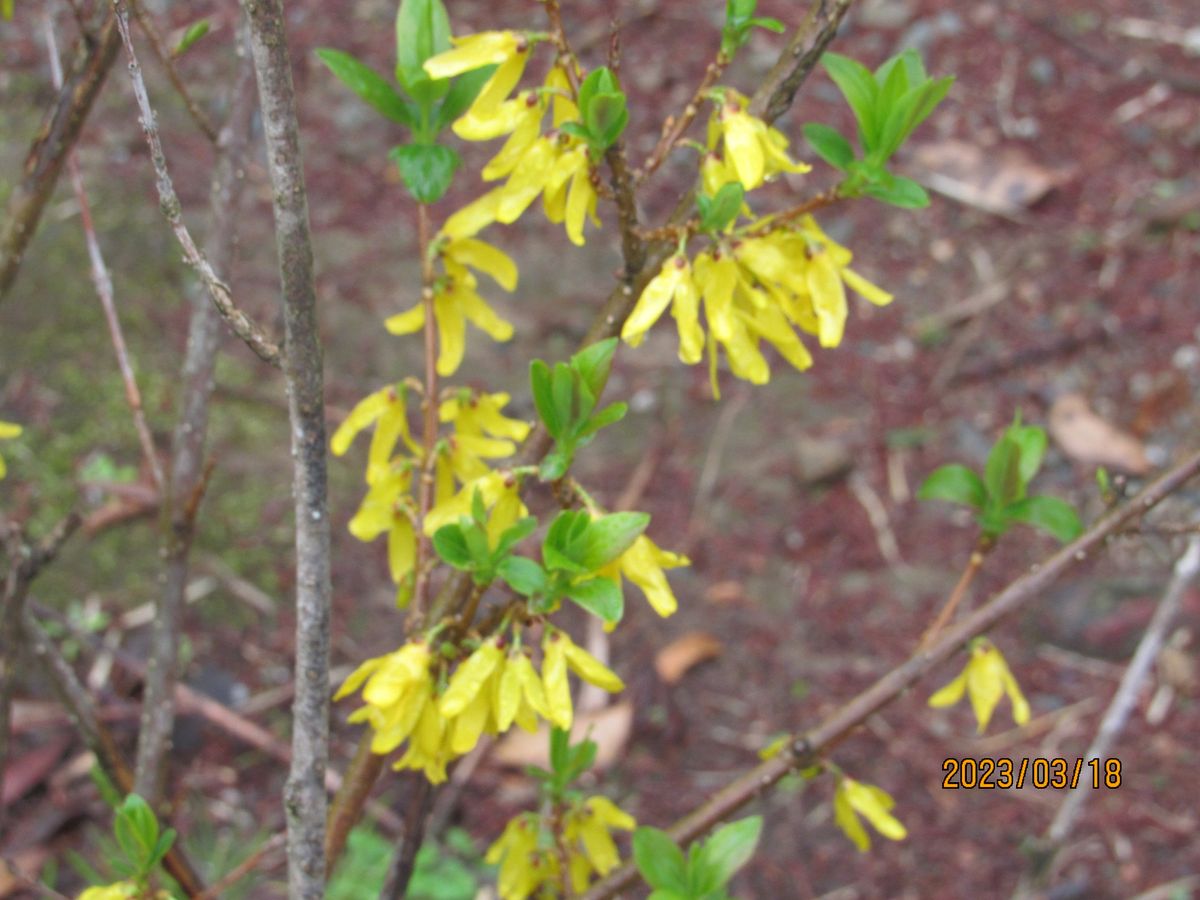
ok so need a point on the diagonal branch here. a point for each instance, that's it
(168, 201)
(809, 747)
(167, 61)
(187, 450)
(49, 150)
(304, 795)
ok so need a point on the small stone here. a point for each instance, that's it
(1042, 70)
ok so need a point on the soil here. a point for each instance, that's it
(1096, 281)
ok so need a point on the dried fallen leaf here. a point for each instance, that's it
(726, 592)
(27, 770)
(674, 660)
(1002, 181)
(28, 862)
(609, 728)
(1091, 440)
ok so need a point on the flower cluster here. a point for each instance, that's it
(985, 679)
(530, 858)
(494, 687)
(480, 432)
(761, 287)
(7, 431)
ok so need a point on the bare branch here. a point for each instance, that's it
(103, 284)
(187, 451)
(796, 63)
(167, 61)
(44, 162)
(808, 748)
(168, 201)
(304, 798)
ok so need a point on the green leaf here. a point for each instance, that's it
(610, 415)
(605, 118)
(165, 841)
(898, 191)
(954, 483)
(369, 85)
(422, 31)
(1002, 473)
(829, 144)
(660, 860)
(426, 169)
(562, 393)
(768, 23)
(665, 894)
(523, 575)
(515, 534)
(601, 597)
(463, 91)
(1054, 516)
(194, 32)
(608, 537)
(560, 746)
(725, 852)
(539, 385)
(136, 830)
(1032, 441)
(582, 756)
(477, 545)
(593, 363)
(561, 548)
(554, 465)
(858, 86)
(451, 545)
(722, 208)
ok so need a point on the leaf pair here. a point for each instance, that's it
(137, 832)
(602, 111)
(567, 762)
(464, 545)
(740, 22)
(720, 210)
(888, 105)
(1000, 498)
(705, 872)
(423, 105)
(577, 545)
(566, 398)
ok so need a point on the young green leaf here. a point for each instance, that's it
(1002, 473)
(608, 537)
(730, 848)
(1049, 514)
(829, 144)
(523, 575)
(194, 32)
(1032, 441)
(513, 535)
(593, 363)
(858, 86)
(600, 596)
(954, 483)
(450, 544)
(554, 465)
(897, 190)
(463, 91)
(562, 393)
(426, 169)
(543, 399)
(422, 31)
(369, 85)
(720, 210)
(610, 415)
(560, 746)
(660, 860)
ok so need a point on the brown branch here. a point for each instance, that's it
(404, 860)
(103, 283)
(58, 134)
(304, 795)
(188, 475)
(675, 127)
(168, 202)
(974, 564)
(810, 747)
(167, 61)
(429, 409)
(796, 63)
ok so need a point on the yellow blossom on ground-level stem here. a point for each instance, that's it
(643, 564)
(7, 431)
(853, 799)
(985, 679)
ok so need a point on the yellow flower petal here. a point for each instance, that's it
(828, 297)
(591, 669)
(407, 322)
(365, 412)
(654, 300)
(473, 217)
(865, 289)
(451, 333)
(485, 258)
(554, 678)
(474, 51)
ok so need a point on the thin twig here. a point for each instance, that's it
(103, 282)
(418, 803)
(429, 431)
(168, 202)
(304, 795)
(811, 746)
(974, 563)
(188, 473)
(58, 134)
(674, 127)
(167, 61)
(1187, 568)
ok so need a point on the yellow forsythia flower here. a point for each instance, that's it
(985, 679)
(559, 653)
(469, 703)
(7, 431)
(524, 866)
(673, 287)
(507, 50)
(643, 564)
(587, 828)
(396, 689)
(500, 493)
(481, 431)
(854, 799)
(387, 410)
(754, 152)
(121, 890)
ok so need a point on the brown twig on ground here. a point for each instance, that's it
(811, 746)
(58, 134)
(304, 795)
(188, 472)
(24, 564)
(168, 202)
(1187, 568)
(103, 282)
(167, 61)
